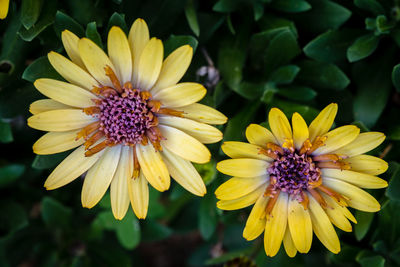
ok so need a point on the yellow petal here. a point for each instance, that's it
(138, 38)
(119, 186)
(243, 167)
(280, 126)
(237, 187)
(70, 43)
(71, 72)
(367, 164)
(120, 54)
(259, 135)
(357, 198)
(4, 8)
(322, 226)
(336, 214)
(153, 167)
(338, 138)
(323, 122)
(205, 133)
(174, 67)
(181, 94)
(139, 195)
(235, 149)
(71, 168)
(356, 178)
(56, 142)
(65, 93)
(288, 244)
(99, 177)
(150, 64)
(184, 173)
(184, 145)
(362, 144)
(299, 222)
(95, 60)
(275, 226)
(241, 202)
(60, 120)
(255, 224)
(203, 113)
(43, 105)
(300, 130)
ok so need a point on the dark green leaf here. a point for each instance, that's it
(54, 213)
(13, 216)
(394, 133)
(93, 34)
(365, 259)
(42, 162)
(393, 190)
(128, 231)
(371, 6)
(299, 93)
(258, 10)
(307, 112)
(207, 171)
(364, 220)
(229, 256)
(284, 75)
(65, 22)
(30, 11)
(271, 22)
(396, 77)
(291, 6)
(230, 64)
(10, 173)
(191, 17)
(226, 6)
(40, 68)
(153, 231)
(5, 132)
(105, 220)
(362, 47)
(175, 41)
(250, 91)
(383, 25)
(207, 216)
(117, 20)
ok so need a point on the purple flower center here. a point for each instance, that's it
(292, 173)
(125, 119)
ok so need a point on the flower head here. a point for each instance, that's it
(302, 179)
(132, 122)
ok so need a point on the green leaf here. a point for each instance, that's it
(207, 171)
(128, 231)
(297, 92)
(40, 68)
(229, 256)
(291, 6)
(394, 133)
(207, 216)
(65, 22)
(396, 77)
(285, 74)
(226, 6)
(371, 6)
(365, 259)
(176, 41)
(191, 17)
(105, 220)
(42, 162)
(5, 132)
(54, 213)
(249, 90)
(322, 75)
(13, 216)
(46, 18)
(362, 47)
(93, 34)
(393, 190)
(153, 231)
(288, 107)
(258, 9)
(10, 173)
(230, 64)
(364, 220)
(30, 11)
(271, 22)
(117, 20)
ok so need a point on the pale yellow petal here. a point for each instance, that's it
(336, 214)
(203, 113)
(243, 167)
(255, 224)
(356, 178)
(338, 138)
(299, 223)
(71, 168)
(60, 120)
(184, 173)
(356, 197)
(323, 122)
(300, 130)
(153, 167)
(56, 142)
(65, 93)
(139, 195)
(120, 54)
(149, 64)
(95, 60)
(259, 135)
(362, 144)
(280, 125)
(241, 202)
(181, 94)
(71, 72)
(237, 187)
(4, 5)
(138, 38)
(367, 164)
(275, 226)
(70, 43)
(288, 244)
(174, 67)
(322, 226)
(235, 149)
(205, 133)
(44, 105)
(99, 177)
(184, 145)
(119, 185)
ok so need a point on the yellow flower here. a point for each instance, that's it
(301, 179)
(4, 5)
(132, 122)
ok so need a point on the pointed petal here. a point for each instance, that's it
(138, 38)
(205, 133)
(338, 138)
(367, 164)
(235, 149)
(323, 122)
(259, 135)
(56, 142)
(280, 126)
(150, 64)
(139, 195)
(300, 130)
(299, 222)
(243, 167)
(356, 178)
(43, 105)
(255, 224)
(70, 43)
(288, 244)
(181, 94)
(120, 54)
(237, 187)
(241, 202)
(335, 213)
(60, 120)
(362, 144)
(4, 5)
(203, 113)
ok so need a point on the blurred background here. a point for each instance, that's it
(298, 55)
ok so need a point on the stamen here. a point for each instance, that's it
(146, 95)
(288, 144)
(268, 153)
(274, 147)
(136, 166)
(338, 197)
(167, 111)
(128, 86)
(113, 78)
(334, 165)
(305, 147)
(87, 130)
(271, 203)
(328, 157)
(97, 148)
(154, 105)
(93, 139)
(317, 196)
(318, 142)
(105, 91)
(304, 200)
(92, 110)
